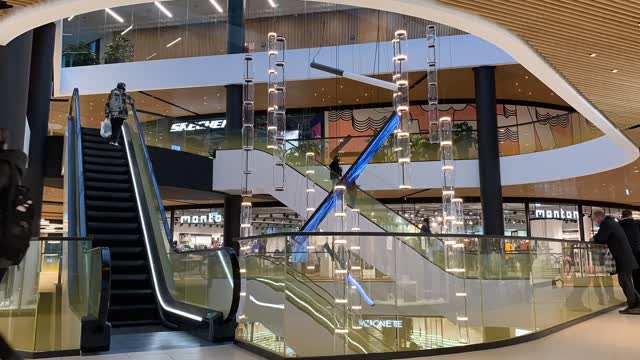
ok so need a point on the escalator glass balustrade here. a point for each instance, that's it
(480, 294)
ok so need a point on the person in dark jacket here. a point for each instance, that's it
(631, 228)
(116, 110)
(336, 170)
(612, 234)
(425, 228)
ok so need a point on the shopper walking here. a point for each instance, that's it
(612, 234)
(631, 228)
(117, 111)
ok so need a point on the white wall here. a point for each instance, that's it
(457, 51)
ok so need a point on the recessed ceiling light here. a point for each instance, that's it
(593, 55)
(614, 71)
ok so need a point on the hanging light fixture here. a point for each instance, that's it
(248, 142)
(402, 144)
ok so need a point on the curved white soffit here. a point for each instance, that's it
(31, 17)
(513, 45)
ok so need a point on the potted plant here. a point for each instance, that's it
(464, 139)
(79, 55)
(119, 50)
(422, 149)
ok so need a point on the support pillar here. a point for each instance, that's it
(40, 85)
(232, 204)
(14, 87)
(235, 45)
(488, 151)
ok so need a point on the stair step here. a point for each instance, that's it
(127, 263)
(111, 215)
(135, 323)
(104, 161)
(107, 186)
(133, 307)
(129, 250)
(131, 292)
(90, 131)
(129, 277)
(103, 154)
(116, 237)
(120, 170)
(103, 205)
(90, 194)
(112, 227)
(103, 177)
(102, 147)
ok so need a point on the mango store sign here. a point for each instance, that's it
(198, 125)
(380, 323)
(557, 214)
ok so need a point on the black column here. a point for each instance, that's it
(235, 45)
(14, 87)
(488, 151)
(40, 82)
(232, 205)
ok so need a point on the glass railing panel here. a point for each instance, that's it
(204, 278)
(263, 297)
(478, 293)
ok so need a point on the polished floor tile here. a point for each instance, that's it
(611, 336)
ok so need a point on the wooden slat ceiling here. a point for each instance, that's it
(567, 32)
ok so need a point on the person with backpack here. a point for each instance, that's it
(117, 111)
(16, 217)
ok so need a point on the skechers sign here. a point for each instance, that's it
(198, 125)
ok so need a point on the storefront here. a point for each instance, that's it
(555, 219)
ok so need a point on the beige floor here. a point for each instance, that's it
(611, 336)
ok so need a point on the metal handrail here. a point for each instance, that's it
(80, 165)
(156, 189)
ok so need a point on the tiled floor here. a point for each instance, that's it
(611, 336)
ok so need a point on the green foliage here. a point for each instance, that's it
(79, 55)
(119, 50)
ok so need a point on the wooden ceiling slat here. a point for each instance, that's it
(564, 32)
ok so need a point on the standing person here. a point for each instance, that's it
(336, 170)
(631, 228)
(117, 111)
(612, 234)
(425, 226)
(8, 159)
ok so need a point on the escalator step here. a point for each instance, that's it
(112, 227)
(103, 205)
(108, 195)
(102, 147)
(104, 161)
(106, 186)
(129, 277)
(103, 177)
(91, 131)
(133, 307)
(127, 263)
(123, 238)
(132, 292)
(134, 323)
(106, 154)
(107, 169)
(103, 215)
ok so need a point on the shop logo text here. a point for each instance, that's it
(198, 125)
(555, 214)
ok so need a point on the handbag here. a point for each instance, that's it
(105, 128)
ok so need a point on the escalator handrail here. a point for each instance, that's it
(79, 168)
(165, 221)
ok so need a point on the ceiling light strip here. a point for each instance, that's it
(114, 15)
(127, 30)
(163, 9)
(216, 5)
(174, 42)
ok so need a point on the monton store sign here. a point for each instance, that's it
(557, 214)
(213, 218)
(199, 125)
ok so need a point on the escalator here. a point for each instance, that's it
(114, 201)
(113, 222)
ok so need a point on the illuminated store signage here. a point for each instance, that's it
(381, 323)
(557, 214)
(213, 218)
(198, 125)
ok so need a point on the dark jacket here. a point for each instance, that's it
(612, 234)
(336, 170)
(632, 230)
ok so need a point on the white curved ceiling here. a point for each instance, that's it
(25, 19)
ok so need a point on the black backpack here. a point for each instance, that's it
(17, 216)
